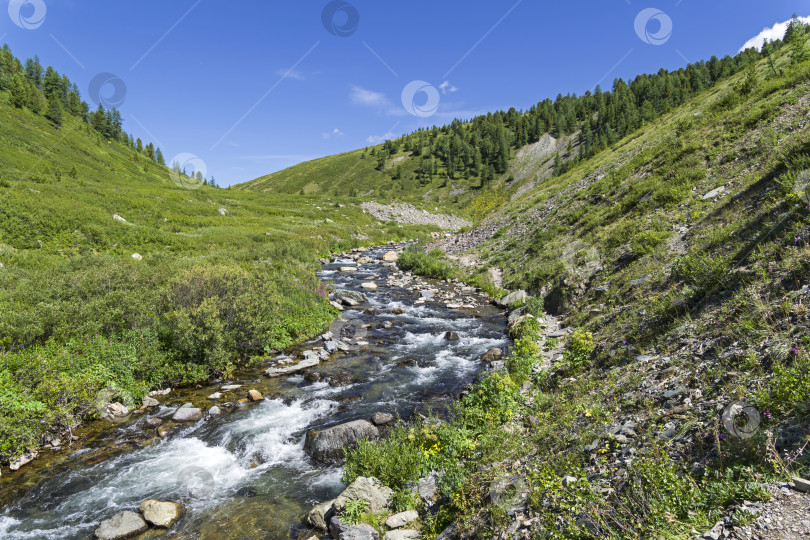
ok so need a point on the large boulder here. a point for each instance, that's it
(370, 490)
(319, 516)
(513, 298)
(400, 520)
(161, 514)
(492, 355)
(122, 525)
(328, 444)
(391, 256)
(341, 295)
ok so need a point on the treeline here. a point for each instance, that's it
(46, 92)
(482, 147)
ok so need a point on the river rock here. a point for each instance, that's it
(398, 521)
(255, 395)
(341, 295)
(363, 531)
(513, 298)
(214, 411)
(231, 387)
(348, 269)
(330, 347)
(337, 527)
(150, 402)
(187, 414)
(371, 490)
(391, 256)
(328, 444)
(154, 421)
(27, 457)
(319, 516)
(369, 285)
(335, 305)
(159, 393)
(122, 525)
(161, 514)
(451, 336)
(382, 419)
(215, 395)
(402, 534)
(287, 370)
(492, 355)
(364, 260)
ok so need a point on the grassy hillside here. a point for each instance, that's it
(226, 276)
(679, 259)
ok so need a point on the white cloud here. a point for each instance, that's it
(335, 133)
(370, 98)
(377, 139)
(777, 31)
(447, 88)
(290, 74)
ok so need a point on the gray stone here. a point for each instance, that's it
(330, 346)
(801, 484)
(492, 355)
(371, 490)
(304, 364)
(319, 516)
(427, 488)
(161, 514)
(187, 414)
(513, 298)
(516, 314)
(150, 402)
(715, 193)
(451, 336)
(382, 419)
(363, 531)
(568, 480)
(402, 534)
(215, 395)
(341, 295)
(230, 387)
(27, 457)
(214, 411)
(336, 527)
(400, 520)
(329, 444)
(122, 525)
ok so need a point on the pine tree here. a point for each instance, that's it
(139, 146)
(149, 150)
(18, 93)
(55, 112)
(796, 36)
(159, 158)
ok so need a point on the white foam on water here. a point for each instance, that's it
(269, 431)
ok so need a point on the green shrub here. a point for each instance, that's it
(431, 264)
(353, 514)
(580, 347)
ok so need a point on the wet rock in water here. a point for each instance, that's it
(371, 490)
(150, 402)
(312, 376)
(344, 378)
(115, 410)
(407, 362)
(163, 431)
(398, 521)
(364, 260)
(342, 295)
(390, 256)
(330, 347)
(451, 336)
(161, 514)
(214, 411)
(320, 515)
(215, 395)
(187, 414)
(329, 444)
(231, 387)
(512, 298)
(154, 421)
(398, 311)
(348, 269)
(369, 285)
(304, 364)
(402, 534)
(492, 355)
(255, 395)
(122, 525)
(382, 419)
(25, 459)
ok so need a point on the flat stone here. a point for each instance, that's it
(398, 521)
(215, 395)
(160, 513)
(187, 414)
(801, 484)
(304, 364)
(231, 387)
(348, 269)
(122, 525)
(513, 298)
(369, 285)
(402, 534)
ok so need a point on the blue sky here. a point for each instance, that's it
(214, 79)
